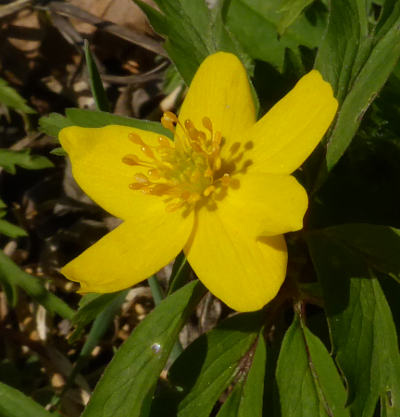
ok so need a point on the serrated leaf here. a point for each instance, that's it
(10, 159)
(192, 33)
(361, 326)
(290, 11)
(129, 381)
(10, 98)
(308, 381)
(53, 123)
(262, 41)
(14, 403)
(207, 367)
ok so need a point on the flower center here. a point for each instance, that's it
(186, 171)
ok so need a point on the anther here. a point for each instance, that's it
(174, 206)
(207, 124)
(131, 160)
(147, 151)
(135, 138)
(217, 163)
(208, 190)
(168, 115)
(169, 120)
(154, 174)
(164, 141)
(141, 178)
(226, 179)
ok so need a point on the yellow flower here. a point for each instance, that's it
(222, 191)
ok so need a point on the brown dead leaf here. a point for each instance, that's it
(121, 12)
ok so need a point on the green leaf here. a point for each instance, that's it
(129, 381)
(14, 403)
(262, 41)
(10, 98)
(357, 65)
(379, 246)
(53, 123)
(58, 152)
(9, 159)
(11, 276)
(361, 326)
(346, 38)
(290, 11)
(231, 406)
(96, 85)
(91, 305)
(246, 398)
(308, 381)
(10, 230)
(192, 33)
(94, 118)
(180, 273)
(207, 367)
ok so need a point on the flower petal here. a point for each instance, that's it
(265, 204)
(290, 131)
(220, 90)
(96, 157)
(131, 253)
(242, 271)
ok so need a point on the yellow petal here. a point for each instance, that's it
(130, 253)
(220, 90)
(289, 132)
(265, 204)
(242, 271)
(96, 158)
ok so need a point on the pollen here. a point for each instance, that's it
(184, 172)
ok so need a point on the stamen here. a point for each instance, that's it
(207, 124)
(131, 160)
(169, 120)
(163, 141)
(135, 138)
(154, 174)
(208, 190)
(147, 151)
(217, 163)
(186, 170)
(141, 178)
(225, 179)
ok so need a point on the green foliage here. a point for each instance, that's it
(331, 332)
(360, 321)
(11, 99)
(207, 367)
(11, 277)
(308, 381)
(246, 398)
(264, 18)
(357, 60)
(10, 159)
(96, 85)
(53, 123)
(129, 381)
(192, 33)
(15, 404)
